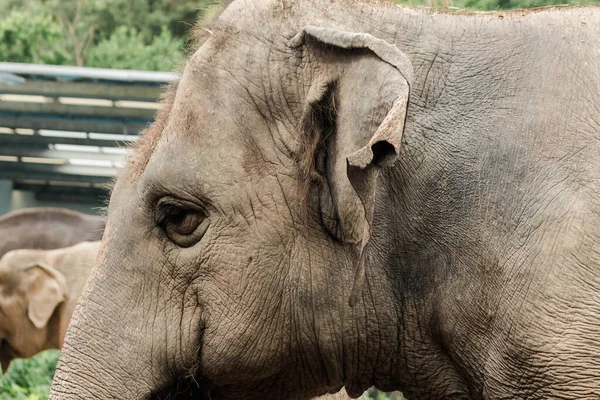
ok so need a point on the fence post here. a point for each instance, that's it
(6, 187)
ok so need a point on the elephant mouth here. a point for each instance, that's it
(190, 385)
(184, 389)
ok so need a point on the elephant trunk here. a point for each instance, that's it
(123, 341)
(100, 357)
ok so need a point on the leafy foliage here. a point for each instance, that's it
(31, 39)
(126, 49)
(29, 379)
(151, 17)
(143, 34)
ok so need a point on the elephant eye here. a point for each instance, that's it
(184, 226)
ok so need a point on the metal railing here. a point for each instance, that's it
(65, 126)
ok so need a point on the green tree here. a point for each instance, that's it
(79, 22)
(29, 379)
(126, 49)
(110, 31)
(150, 17)
(32, 39)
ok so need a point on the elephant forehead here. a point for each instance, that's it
(13, 261)
(220, 128)
(212, 154)
(199, 158)
(227, 111)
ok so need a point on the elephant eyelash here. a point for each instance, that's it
(171, 213)
(174, 215)
(171, 208)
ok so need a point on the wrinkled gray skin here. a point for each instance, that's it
(47, 229)
(481, 244)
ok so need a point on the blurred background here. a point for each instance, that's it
(79, 80)
(68, 108)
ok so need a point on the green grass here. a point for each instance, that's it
(29, 379)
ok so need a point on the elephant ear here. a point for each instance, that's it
(5, 357)
(45, 289)
(353, 121)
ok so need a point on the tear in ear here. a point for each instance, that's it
(46, 289)
(354, 118)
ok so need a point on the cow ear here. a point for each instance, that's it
(45, 290)
(354, 117)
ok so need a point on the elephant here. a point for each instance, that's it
(47, 228)
(354, 193)
(39, 290)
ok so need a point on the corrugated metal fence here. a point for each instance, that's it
(64, 127)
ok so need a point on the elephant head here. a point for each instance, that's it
(31, 294)
(233, 263)
(38, 292)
